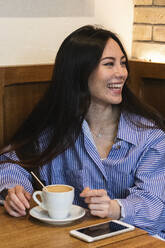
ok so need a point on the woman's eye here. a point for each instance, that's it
(109, 64)
(123, 63)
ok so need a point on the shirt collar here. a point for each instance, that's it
(127, 131)
(86, 131)
(130, 133)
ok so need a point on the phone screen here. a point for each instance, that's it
(102, 229)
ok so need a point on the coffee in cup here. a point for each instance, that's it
(56, 199)
(58, 188)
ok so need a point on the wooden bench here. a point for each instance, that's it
(22, 86)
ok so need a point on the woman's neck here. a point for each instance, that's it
(103, 123)
(100, 118)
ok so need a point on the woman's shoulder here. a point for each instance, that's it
(141, 129)
(139, 122)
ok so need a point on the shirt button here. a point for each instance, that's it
(118, 147)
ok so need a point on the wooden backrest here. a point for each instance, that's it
(21, 87)
(148, 82)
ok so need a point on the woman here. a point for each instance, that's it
(91, 132)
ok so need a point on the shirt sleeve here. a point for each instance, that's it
(13, 174)
(145, 205)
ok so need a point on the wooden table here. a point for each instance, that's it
(27, 232)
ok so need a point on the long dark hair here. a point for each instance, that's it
(60, 113)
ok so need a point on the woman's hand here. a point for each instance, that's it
(100, 204)
(17, 201)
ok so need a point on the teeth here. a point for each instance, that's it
(114, 86)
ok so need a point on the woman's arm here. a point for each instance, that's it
(145, 204)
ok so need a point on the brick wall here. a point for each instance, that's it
(149, 30)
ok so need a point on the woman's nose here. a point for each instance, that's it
(120, 71)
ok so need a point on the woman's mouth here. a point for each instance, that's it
(114, 85)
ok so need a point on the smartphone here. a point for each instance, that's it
(102, 230)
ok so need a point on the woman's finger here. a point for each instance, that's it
(94, 192)
(13, 197)
(12, 211)
(22, 196)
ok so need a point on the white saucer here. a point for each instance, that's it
(76, 212)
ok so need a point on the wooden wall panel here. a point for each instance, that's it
(153, 93)
(21, 87)
(148, 82)
(1, 106)
(19, 101)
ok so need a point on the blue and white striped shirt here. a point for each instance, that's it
(133, 173)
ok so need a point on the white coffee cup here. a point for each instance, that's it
(57, 199)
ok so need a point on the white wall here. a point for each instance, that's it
(117, 15)
(31, 34)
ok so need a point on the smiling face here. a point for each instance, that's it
(107, 80)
